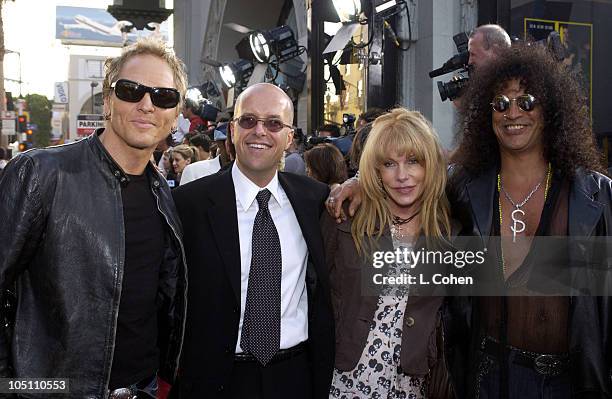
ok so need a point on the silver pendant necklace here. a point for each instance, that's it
(518, 226)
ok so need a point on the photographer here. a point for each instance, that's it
(485, 44)
(294, 156)
(328, 131)
(190, 110)
(481, 47)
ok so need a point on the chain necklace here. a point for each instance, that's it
(500, 188)
(398, 221)
(518, 211)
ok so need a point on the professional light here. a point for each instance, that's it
(279, 42)
(259, 47)
(347, 10)
(227, 75)
(194, 94)
(385, 6)
(236, 73)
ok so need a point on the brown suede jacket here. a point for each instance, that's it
(355, 305)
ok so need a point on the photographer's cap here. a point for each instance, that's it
(220, 132)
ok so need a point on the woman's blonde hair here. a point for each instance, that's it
(401, 132)
(186, 151)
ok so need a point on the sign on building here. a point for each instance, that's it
(8, 126)
(96, 27)
(87, 123)
(61, 93)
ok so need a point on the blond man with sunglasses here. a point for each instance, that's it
(91, 242)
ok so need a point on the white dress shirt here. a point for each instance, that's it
(294, 255)
(200, 169)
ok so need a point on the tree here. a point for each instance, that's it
(40, 114)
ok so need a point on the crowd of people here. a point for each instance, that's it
(226, 262)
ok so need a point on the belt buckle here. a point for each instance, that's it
(123, 393)
(547, 365)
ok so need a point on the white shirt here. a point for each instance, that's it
(182, 128)
(294, 255)
(199, 169)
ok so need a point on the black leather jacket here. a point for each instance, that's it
(590, 318)
(62, 246)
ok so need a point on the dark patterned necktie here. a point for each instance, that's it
(261, 324)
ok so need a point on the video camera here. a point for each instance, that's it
(348, 123)
(452, 89)
(312, 141)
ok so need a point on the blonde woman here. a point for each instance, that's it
(386, 344)
(182, 155)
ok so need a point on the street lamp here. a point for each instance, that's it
(93, 84)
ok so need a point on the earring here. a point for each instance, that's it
(107, 116)
(505, 116)
(173, 130)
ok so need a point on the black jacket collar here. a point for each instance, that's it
(116, 171)
(584, 210)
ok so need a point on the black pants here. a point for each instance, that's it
(284, 379)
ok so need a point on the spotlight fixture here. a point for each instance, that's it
(347, 10)
(387, 8)
(384, 6)
(194, 94)
(236, 73)
(279, 42)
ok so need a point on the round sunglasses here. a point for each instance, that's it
(132, 92)
(525, 102)
(273, 125)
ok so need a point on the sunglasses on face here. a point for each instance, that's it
(273, 125)
(132, 92)
(525, 102)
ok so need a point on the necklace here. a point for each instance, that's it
(499, 189)
(398, 221)
(516, 222)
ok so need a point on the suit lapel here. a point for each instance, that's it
(308, 219)
(224, 223)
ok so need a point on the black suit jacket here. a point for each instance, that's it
(207, 208)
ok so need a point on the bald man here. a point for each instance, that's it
(486, 43)
(260, 322)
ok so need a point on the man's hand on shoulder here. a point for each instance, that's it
(349, 190)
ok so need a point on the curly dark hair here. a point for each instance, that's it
(567, 135)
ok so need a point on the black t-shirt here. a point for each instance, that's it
(136, 354)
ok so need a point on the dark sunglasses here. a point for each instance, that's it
(525, 102)
(273, 125)
(132, 92)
